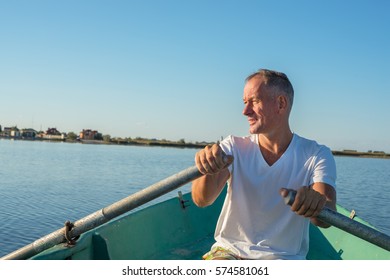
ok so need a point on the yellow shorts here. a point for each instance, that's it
(219, 253)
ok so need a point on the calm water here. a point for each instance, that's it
(44, 184)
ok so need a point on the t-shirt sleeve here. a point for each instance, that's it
(325, 168)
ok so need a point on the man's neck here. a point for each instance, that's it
(273, 147)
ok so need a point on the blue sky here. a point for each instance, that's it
(176, 69)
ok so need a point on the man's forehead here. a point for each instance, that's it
(254, 87)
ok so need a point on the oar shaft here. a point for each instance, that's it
(104, 215)
(148, 194)
(349, 225)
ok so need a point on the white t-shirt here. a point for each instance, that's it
(255, 223)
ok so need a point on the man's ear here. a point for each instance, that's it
(282, 102)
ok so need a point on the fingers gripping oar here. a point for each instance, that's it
(353, 227)
(106, 214)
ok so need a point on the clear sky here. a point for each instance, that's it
(176, 69)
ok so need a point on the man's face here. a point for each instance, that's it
(260, 106)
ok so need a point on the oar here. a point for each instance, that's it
(106, 214)
(347, 224)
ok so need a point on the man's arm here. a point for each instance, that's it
(211, 162)
(207, 188)
(330, 201)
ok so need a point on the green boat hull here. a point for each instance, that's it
(167, 231)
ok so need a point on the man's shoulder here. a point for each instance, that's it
(240, 140)
(239, 144)
(310, 145)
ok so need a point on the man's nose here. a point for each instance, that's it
(247, 109)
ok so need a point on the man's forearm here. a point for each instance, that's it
(207, 188)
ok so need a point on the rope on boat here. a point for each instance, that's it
(71, 241)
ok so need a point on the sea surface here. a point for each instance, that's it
(43, 184)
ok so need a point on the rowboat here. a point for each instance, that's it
(176, 229)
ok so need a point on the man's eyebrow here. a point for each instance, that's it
(250, 98)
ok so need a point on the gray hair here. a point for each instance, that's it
(277, 81)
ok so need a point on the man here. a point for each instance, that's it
(254, 222)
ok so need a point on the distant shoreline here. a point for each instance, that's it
(133, 142)
(362, 154)
(178, 144)
(146, 142)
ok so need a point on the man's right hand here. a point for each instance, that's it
(212, 160)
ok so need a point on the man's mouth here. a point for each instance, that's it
(251, 121)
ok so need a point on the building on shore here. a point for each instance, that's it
(28, 133)
(52, 134)
(11, 132)
(16, 133)
(88, 134)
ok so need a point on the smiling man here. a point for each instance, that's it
(254, 222)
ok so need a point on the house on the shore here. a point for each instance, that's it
(16, 133)
(11, 132)
(52, 134)
(88, 134)
(28, 133)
